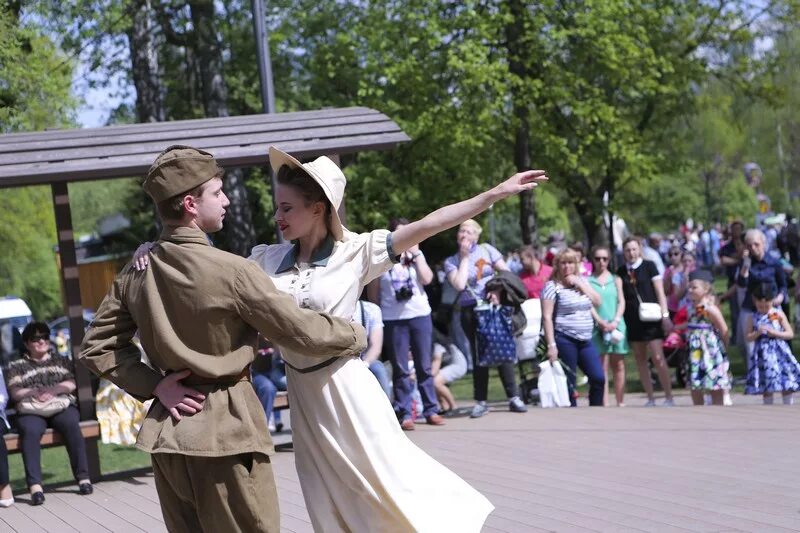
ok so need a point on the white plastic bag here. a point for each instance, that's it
(553, 385)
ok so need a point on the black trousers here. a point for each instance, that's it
(67, 423)
(480, 374)
(3, 456)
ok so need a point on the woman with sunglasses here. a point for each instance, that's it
(41, 383)
(610, 332)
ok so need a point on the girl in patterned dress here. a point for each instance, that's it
(707, 335)
(772, 366)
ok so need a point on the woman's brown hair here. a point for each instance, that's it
(308, 188)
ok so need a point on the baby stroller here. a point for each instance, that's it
(676, 350)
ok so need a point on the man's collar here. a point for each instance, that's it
(184, 234)
(635, 264)
(318, 259)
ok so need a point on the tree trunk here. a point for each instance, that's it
(209, 55)
(238, 233)
(147, 82)
(517, 53)
(145, 65)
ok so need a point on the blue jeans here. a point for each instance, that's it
(379, 371)
(576, 353)
(416, 334)
(266, 391)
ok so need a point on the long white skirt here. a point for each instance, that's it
(358, 470)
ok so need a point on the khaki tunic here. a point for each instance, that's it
(201, 309)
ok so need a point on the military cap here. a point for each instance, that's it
(179, 169)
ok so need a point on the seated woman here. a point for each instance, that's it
(41, 383)
(448, 364)
(6, 496)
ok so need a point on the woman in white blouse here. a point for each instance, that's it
(357, 469)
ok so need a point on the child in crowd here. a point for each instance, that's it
(707, 335)
(772, 367)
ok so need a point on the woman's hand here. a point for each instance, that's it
(519, 182)
(666, 325)
(44, 395)
(573, 280)
(609, 326)
(464, 248)
(552, 354)
(141, 257)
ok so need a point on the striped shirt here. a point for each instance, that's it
(573, 311)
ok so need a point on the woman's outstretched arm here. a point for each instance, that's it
(451, 215)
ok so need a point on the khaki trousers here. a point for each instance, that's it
(217, 494)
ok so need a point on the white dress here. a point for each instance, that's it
(358, 470)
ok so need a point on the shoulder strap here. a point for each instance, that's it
(361, 314)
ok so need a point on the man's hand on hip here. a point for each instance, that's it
(176, 397)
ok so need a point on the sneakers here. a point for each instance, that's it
(668, 403)
(650, 403)
(479, 410)
(515, 405)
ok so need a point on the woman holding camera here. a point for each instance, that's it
(408, 325)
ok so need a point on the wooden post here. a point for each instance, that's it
(72, 294)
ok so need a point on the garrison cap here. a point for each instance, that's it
(179, 169)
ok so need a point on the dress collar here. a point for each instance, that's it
(319, 258)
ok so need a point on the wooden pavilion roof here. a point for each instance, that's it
(59, 156)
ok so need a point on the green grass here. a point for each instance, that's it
(56, 469)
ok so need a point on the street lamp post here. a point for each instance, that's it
(265, 75)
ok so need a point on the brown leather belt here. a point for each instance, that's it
(320, 366)
(194, 379)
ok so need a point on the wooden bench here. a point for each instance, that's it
(90, 429)
(281, 401)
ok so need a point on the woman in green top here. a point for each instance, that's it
(610, 332)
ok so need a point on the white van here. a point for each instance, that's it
(15, 311)
(14, 316)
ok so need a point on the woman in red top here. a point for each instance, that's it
(534, 272)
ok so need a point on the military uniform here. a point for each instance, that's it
(201, 309)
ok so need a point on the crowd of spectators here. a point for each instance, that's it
(591, 318)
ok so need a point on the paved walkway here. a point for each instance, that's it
(632, 469)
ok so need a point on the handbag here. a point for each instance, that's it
(53, 406)
(495, 336)
(648, 311)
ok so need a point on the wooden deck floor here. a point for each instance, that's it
(631, 469)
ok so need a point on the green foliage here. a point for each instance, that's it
(91, 201)
(28, 262)
(35, 78)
